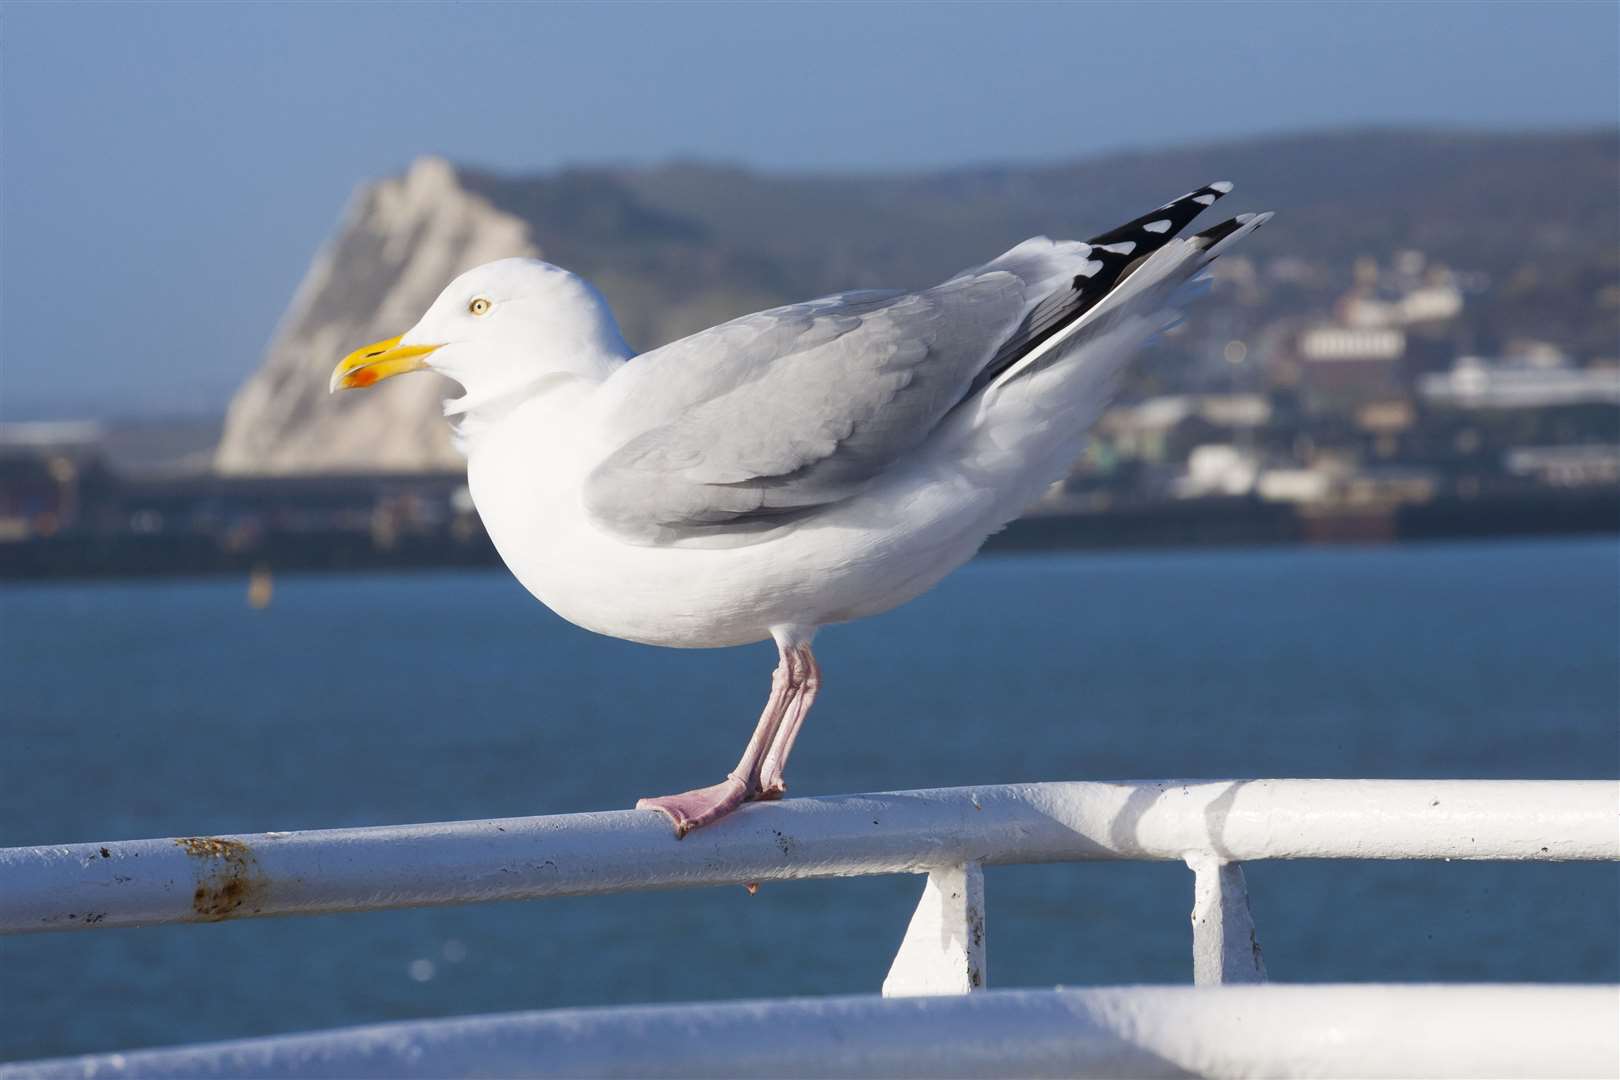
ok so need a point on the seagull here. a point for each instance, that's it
(790, 469)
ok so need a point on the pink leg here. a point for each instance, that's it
(694, 809)
(771, 782)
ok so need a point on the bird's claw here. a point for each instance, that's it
(694, 809)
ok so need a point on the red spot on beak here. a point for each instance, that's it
(362, 377)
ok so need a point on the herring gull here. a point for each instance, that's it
(806, 465)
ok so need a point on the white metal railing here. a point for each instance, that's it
(949, 834)
(1145, 1031)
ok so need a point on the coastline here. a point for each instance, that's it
(461, 543)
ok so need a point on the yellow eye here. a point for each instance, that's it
(479, 306)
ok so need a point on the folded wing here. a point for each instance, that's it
(752, 424)
(746, 426)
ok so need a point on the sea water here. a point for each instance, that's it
(166, 708)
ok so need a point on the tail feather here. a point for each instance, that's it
(1030, 423)
(1112, 257)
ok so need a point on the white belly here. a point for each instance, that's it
(888, 545)
(867, 556)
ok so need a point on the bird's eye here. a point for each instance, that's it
(479, 306)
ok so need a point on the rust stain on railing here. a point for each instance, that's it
(231, 881)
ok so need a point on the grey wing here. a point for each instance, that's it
(746, 426)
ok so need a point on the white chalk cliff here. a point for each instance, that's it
(400, 242)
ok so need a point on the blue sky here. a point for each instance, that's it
(167, 170)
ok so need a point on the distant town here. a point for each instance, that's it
(1371, 421)
(1373, 406)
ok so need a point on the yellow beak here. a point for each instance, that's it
(376, 362)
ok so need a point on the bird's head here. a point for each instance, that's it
(498, 327)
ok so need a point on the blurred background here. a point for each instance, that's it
(1357, 516)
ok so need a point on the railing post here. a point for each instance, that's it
(943, 950)
(1225, 949)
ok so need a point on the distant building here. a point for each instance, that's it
(45, 493)
(51, 474)
(1218, 469)
(1537, 381)
(1340, 344)
(1310, 485)
(1167, 428)
(1566, 466)
(1343, 368)
(1333, 483)
(1410, 292)
(1389, 485)
(1433, 303)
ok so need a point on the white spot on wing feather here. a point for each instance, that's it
(1162, 225)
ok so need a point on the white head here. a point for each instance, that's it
(498, 329)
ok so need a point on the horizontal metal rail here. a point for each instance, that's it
(1364, 1031)
(1206, 823)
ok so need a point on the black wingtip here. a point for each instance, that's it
(1212, 236)
(1117, 253)
(1113, 257)
(1155, 229)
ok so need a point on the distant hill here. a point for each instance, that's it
(1534, 218)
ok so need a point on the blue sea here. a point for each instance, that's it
(172, 708)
